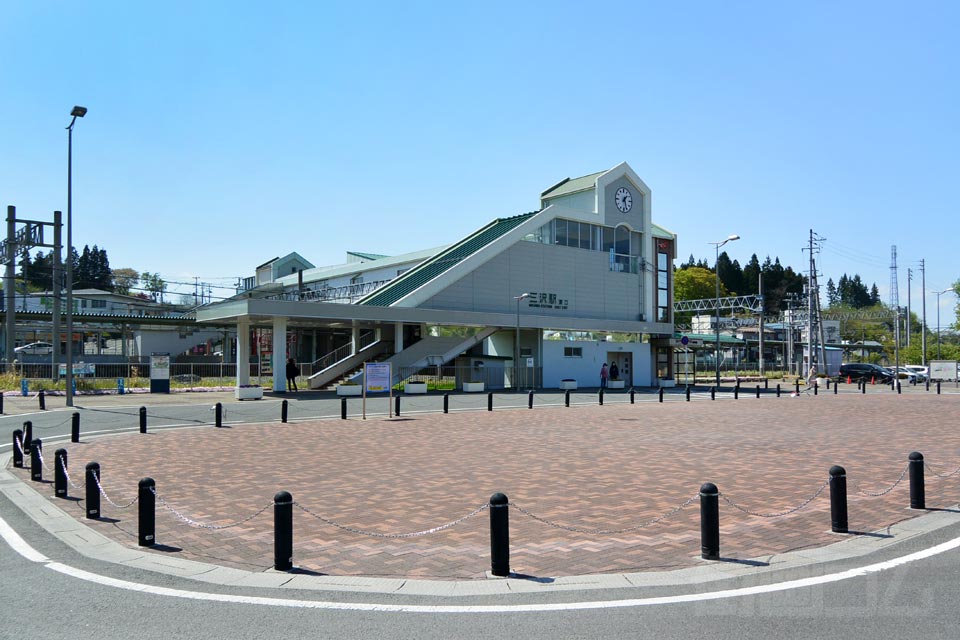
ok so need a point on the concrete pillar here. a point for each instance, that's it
(398, 337)
(243, 352)
(354, 339)
(279, 354)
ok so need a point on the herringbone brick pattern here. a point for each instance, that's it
(605, 468)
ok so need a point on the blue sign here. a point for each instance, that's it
(684, 340)
(24, 387)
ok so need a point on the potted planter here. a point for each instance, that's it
(414, 387)
(473, 387)
(668, 382)
(349, 389)
(616, 384)
(248, 392)
(568, 384)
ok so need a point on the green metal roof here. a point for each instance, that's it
(367, 256)
(572, 185)
(660, 232)
(443, 261)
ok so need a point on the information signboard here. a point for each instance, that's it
(159, 373)
(377, 378)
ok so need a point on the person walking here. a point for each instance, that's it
(292, 373)
(614, 371)
(604, 374)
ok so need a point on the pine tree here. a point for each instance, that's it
(833, 296)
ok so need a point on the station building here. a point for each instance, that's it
(525, 301)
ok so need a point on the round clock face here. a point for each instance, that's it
(624, 199)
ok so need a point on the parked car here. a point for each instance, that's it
(922, 372)
(906, 374)
(856, 371)
(35, 349)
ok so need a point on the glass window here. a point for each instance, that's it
(561, 226)
(607, 242)
(662, 261)
(573, 352)
(573, 233)
(586, 235)
(622, 239)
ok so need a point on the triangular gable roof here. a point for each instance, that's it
(443, 261)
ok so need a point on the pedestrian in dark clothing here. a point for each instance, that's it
(292, 373)
(614, 372)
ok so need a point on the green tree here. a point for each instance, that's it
(153, 283)
(833, 298)
(696, 283)
(124, 279)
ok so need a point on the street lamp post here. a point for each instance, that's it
(939, 293)
(77, 112)
(516, 360)
(716, 268)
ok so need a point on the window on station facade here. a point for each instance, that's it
(663, 281)
(573, 352)
(620, 243)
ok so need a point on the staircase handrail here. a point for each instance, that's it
(365, 339)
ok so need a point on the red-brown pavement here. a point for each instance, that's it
(590, 467)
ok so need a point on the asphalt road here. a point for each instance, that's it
(919, 599)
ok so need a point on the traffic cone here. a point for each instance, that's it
(848, 379)
(873, 380)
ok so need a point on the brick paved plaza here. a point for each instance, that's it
(595, 467)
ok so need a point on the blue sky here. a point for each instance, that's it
(222, 134)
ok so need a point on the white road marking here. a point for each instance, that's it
(19, 545)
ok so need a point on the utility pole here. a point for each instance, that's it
(760, 332)
(909, 280)
(923, 292)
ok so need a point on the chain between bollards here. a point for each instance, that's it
(838, 499)
(283, 531)
(93, 491)
(918, 499)
(146, 512)
(709, 521)
(499, 535)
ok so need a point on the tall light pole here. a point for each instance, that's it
(716, 268)
(939, 293)
(516, 361)
(77, 112)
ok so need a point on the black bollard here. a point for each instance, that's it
(396, 407)
(938, 387)
(838, 499)
(631, 396)
(836, 386)
(75, 427)
(27, 436)
(283, 531)
(530, 400)
(43, 400)
(283, 411)
(60, 473)
(143, 419)
(863, 387)
(36, 466)
(766, 383)
(600, 396)
(660, 394)
(146, 510)
(758, 391)
(566, 398)
(446, 402)
(709, 521)
(18, 449)
(815, 386)
(828, 384)
(778, 389)
(736, 392)
(898, 387)
(1, 402)
(928, 384)
(490, 401)
(797, 389)
(713, 393)
(499, 535)
(688, 393)
(218, 414)
(343, 407)
(918, 498)
(93, 491)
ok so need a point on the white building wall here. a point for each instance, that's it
(586, 370)
(169, 341)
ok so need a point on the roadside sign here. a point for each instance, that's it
(377, 378)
